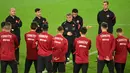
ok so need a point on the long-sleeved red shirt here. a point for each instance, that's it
(8, 45)
(129, 46)
(82, 46)
(121, 49)
(105, 44)
(60, 47)
(44, 42)
(31, 52)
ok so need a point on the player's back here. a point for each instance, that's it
(60, 45)
(8, 44)
(106, 41)
(82, 46)
(44, 44)
(29, 38)
(58, 42)
(121, 49)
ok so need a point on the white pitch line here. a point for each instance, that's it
(92, 53)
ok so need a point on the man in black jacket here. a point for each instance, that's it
(39, 19)
(107, 16)
(16, 23)
(77, 19)
(70, 33)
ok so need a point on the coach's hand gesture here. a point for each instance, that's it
(88, 27)
(69, 34)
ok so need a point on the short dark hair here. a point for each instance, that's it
(104, 25)
(37, 9)
(83, 30)
(7, 25)
(75, 10)
(60, 28)
(44, 27)
(106, 2)
(2, 24)
(34, 25)
(119, 30)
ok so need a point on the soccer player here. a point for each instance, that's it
(39, 19)
(2, 25)
(8, 45)
(44, 43)
(82, 46)
(70, 33)
(16, 23)
(60, 47)
(105, 44)
(31, 52)
(106, 15)
(121, 51)
(77, 19)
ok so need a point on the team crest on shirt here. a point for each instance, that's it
(108, 16)
(77, 21)
(66, 28)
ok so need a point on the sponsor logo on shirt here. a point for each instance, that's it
(104, 35)
(66, 28)
(43, 36)
(82, 42)
(58, 38)
(78, 21)
(6, 36)
(83, 46)
(105, 39)
(57, 42)
(120, 40)
(31, 35)
(108, 16)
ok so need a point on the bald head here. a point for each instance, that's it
(12, 11)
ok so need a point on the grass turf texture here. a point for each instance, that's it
(55, 11)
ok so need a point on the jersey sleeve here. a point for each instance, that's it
(98, 45)
(89, 44)
(35, 42)
(65, 49)
(128, 46)
(7, 19)
(15, 41)
(51, 43)
(112, 46)
(65, 32)
(25, 37)
(113, 19)
(98, 18)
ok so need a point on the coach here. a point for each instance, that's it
(70, 33)
(107, 16)
(16, 23)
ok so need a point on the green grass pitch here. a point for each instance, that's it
(55, 11)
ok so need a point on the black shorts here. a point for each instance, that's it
(77, 68)
(101, 64)
(12, 64)
(44, 62)
(120, 67)
(60, 66)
